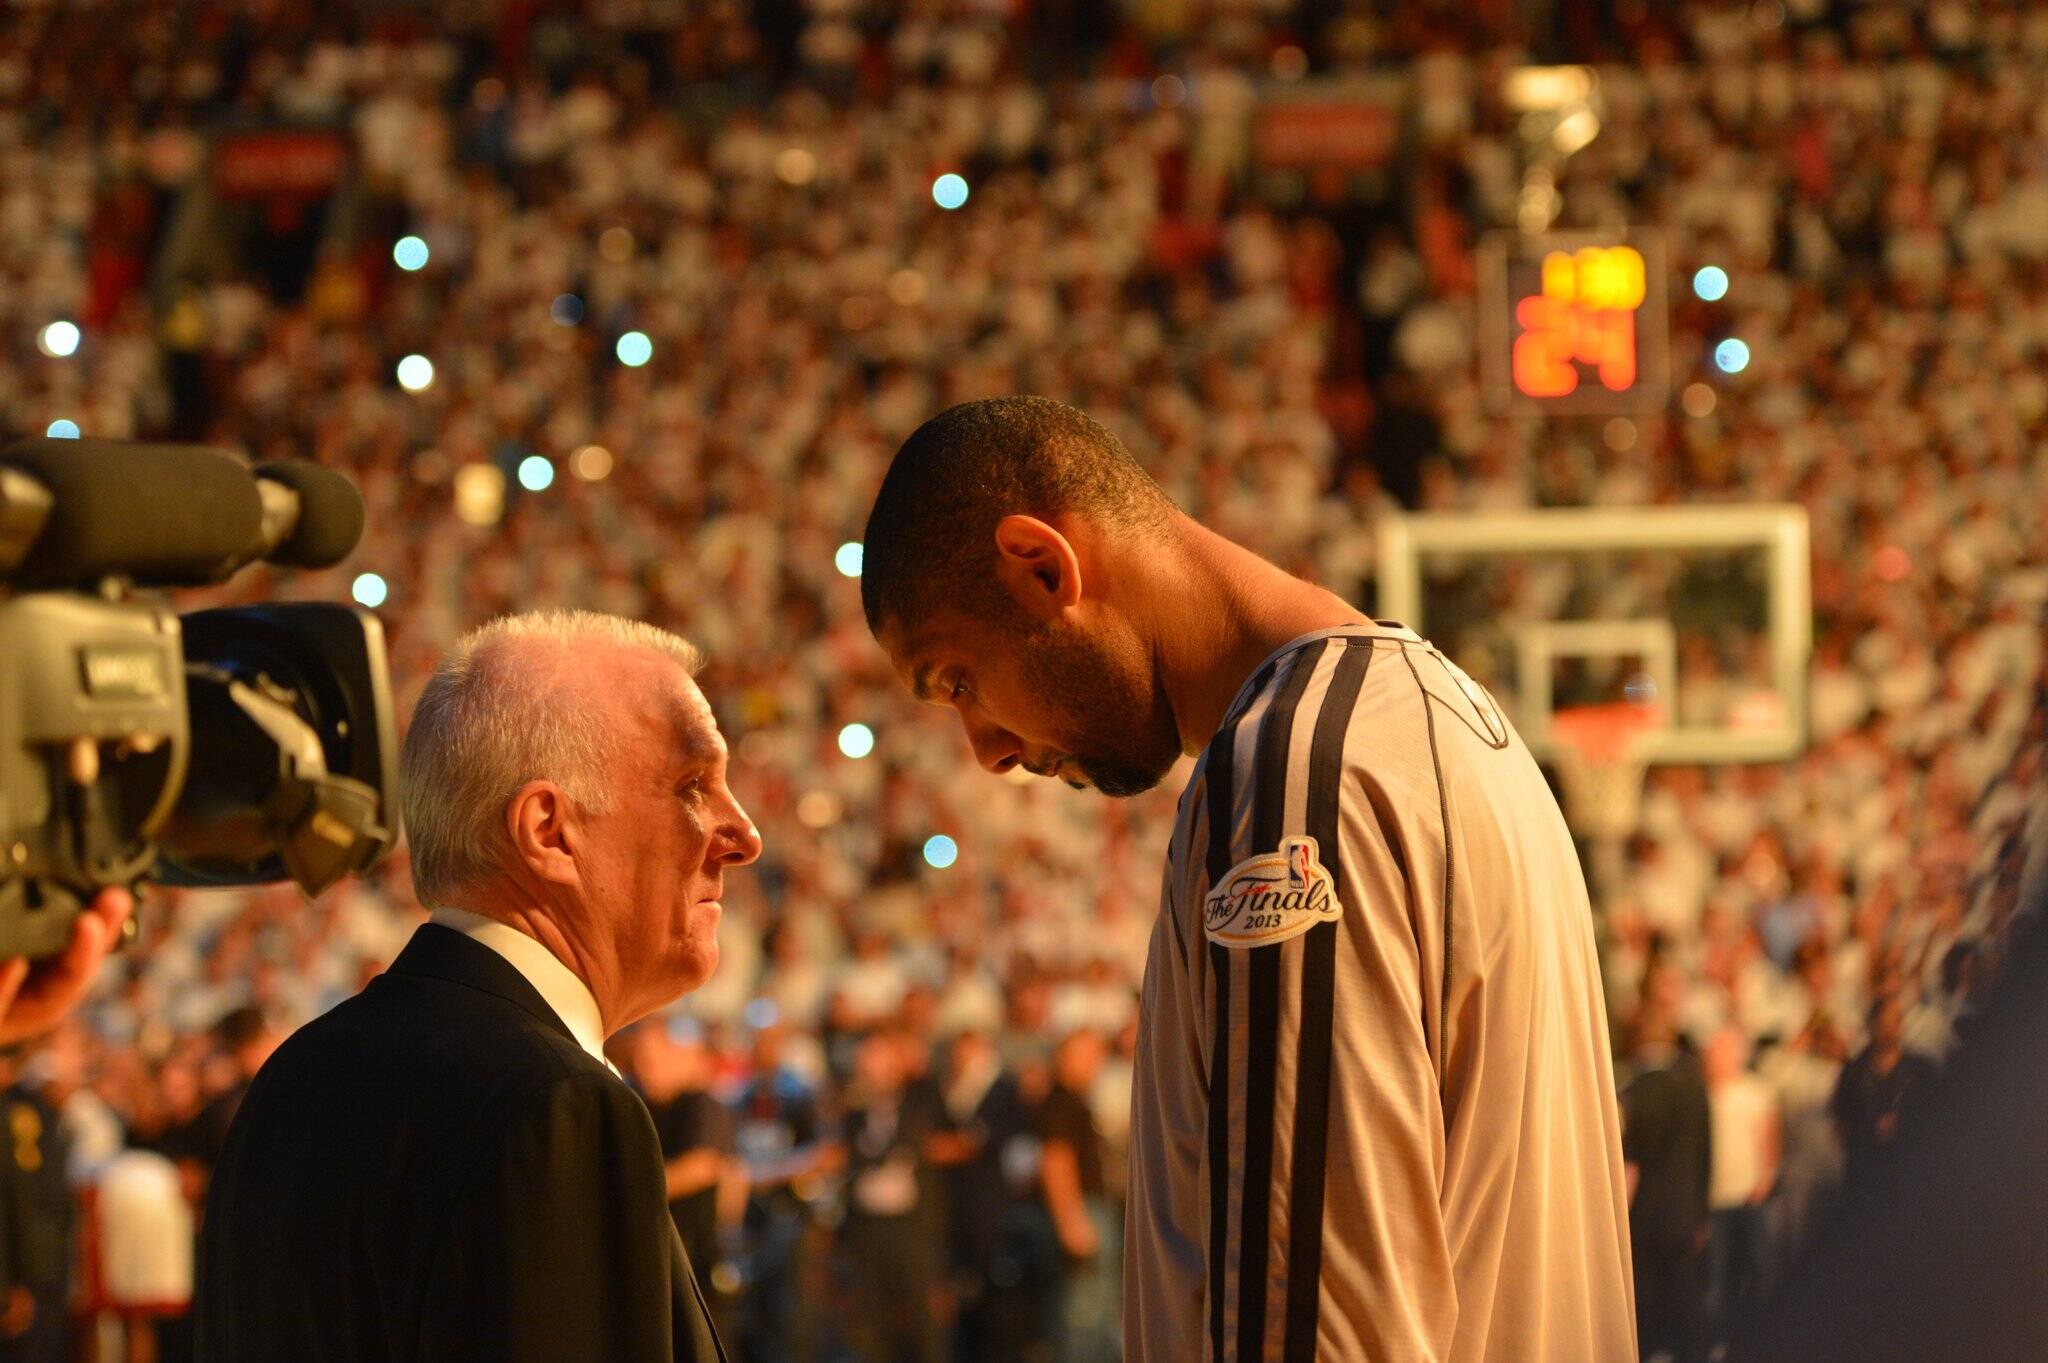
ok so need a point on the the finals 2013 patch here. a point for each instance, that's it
(1271, 897)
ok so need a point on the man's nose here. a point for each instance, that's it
(996, 748)
(739, 841)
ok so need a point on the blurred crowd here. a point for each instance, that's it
(895, 1114)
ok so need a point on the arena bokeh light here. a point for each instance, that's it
(59, 340)
(635, 349)
(856, 741)
(536, 473)
(479, 494)
(415, 373)
(1731, 356)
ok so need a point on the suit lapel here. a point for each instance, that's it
(441, 953)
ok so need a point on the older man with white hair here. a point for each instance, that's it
(445, 1166)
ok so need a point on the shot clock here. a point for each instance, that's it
(1575, 323)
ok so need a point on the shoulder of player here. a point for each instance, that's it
(1367, 687)
(1400, 727)
(1289, 670)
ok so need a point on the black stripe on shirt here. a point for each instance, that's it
(1262, 1012)
(1222, 819)
(1318, 996)
(1219, 1145)
(1443, 801)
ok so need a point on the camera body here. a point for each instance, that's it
(226, 747)
(80, 675)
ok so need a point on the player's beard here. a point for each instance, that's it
(1106, 695)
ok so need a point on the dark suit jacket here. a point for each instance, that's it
(435, 1170)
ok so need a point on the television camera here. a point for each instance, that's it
(232, 746)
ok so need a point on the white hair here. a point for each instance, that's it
(499, 713)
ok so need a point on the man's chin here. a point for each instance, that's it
(1118, 780)
(700, 966)
(699, 944)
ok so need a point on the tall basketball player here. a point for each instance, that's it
(1374, 1116)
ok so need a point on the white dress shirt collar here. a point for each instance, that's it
(558, 985)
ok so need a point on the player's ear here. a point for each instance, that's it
(1037, 566)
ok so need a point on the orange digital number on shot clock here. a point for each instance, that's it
(1574, 322)
(1586, 314)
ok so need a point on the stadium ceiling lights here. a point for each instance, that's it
(1532, 88)
(1559, 108)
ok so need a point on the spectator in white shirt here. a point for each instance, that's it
(1746, 1145)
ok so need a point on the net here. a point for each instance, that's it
(1600, 765)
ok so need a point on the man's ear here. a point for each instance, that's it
(537, 821)
(1037, 566)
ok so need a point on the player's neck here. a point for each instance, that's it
(1226, 611)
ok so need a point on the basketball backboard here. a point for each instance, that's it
(1704, 611)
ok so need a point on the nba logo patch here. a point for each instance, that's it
(1271, 897)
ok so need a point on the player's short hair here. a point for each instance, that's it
(930, 539)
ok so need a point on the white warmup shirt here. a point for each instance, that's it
(1374, 1117)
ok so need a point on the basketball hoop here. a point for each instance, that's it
(1600, 763)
